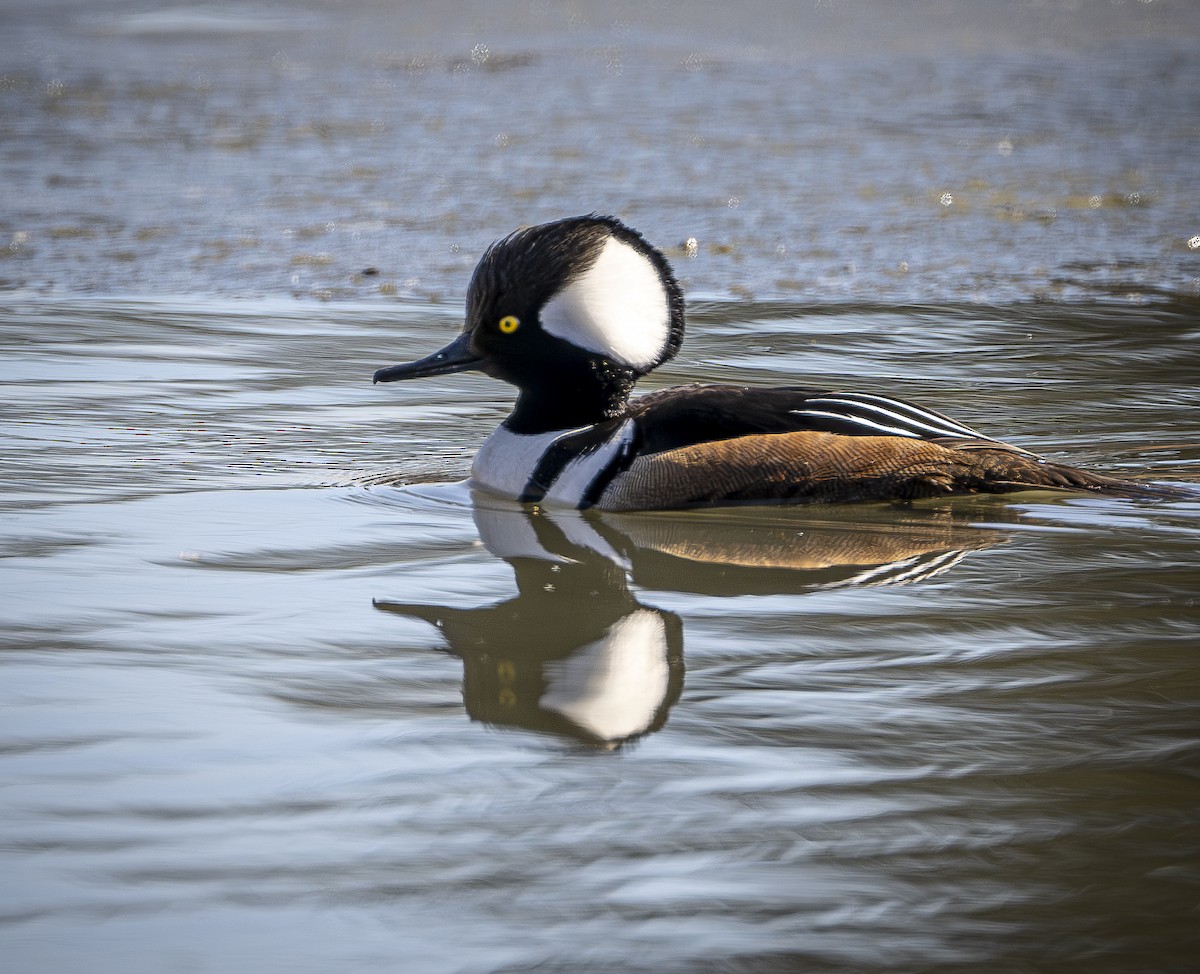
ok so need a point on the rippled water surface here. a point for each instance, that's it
(280, 693)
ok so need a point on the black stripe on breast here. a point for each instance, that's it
(568, 448)
(620, 462)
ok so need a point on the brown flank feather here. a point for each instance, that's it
(817, 467)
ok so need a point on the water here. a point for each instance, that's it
(281, 694)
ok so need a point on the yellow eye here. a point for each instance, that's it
(508, 324)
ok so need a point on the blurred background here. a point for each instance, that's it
(918, 150)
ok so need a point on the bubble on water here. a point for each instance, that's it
(691, 247)
(1194, 242)
(502, 140)
(946, 199)
(1095, 202)
(734, 202)
(1004, 147)
(480, 53)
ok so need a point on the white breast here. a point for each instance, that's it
(507, 460)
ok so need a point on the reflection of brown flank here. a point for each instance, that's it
(798, 546)
(819, 467)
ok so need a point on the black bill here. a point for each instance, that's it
(455, 357)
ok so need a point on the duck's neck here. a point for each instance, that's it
(572, 399)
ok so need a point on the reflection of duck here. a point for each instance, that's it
(575, 653)
(574, 312)
(757, 550)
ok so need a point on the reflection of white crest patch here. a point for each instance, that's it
(613, 687)
(619, 308)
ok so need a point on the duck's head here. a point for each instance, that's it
(571, 313)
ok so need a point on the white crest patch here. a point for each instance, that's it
(619, 308)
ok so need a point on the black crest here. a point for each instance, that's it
(523, 271)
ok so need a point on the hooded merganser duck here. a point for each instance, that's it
(574, 312)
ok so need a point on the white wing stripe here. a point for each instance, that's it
(858, 420)
(917, 419)
(899, 405)
(917, 423)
